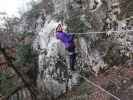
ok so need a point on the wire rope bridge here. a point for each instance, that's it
(98, 32)
(86, 79)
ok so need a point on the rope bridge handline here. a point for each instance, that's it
(97, 32)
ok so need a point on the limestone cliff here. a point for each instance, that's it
(95, 51)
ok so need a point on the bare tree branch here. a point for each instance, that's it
(36, 94)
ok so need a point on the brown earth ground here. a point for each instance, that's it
(118, 80)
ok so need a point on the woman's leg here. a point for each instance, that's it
(72, 57)
(72, 61)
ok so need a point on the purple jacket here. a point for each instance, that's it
(67, 39)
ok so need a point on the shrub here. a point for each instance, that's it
(6, 85)
(75, 25)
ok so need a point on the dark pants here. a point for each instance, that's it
(72, 57)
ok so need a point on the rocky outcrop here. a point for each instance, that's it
(95, 51)
(93, 56)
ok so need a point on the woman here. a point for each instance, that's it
(68, 41)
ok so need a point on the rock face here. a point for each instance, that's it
(99, 17)
(95, 51)
(51, 67)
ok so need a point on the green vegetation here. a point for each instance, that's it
(114, 57)
(76, 25)
(85, 88)
(25, 34)
(59, 17)
(24, 52)
(126, 9)
(7, 85)
(26, 58)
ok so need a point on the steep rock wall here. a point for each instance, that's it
(93, 49)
